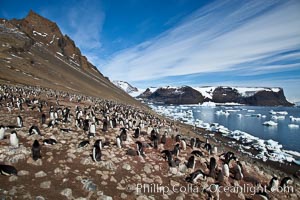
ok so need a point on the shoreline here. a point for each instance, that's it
(274, 149)
(289, 168)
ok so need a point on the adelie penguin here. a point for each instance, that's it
(285, 182)
(43, 119)
(34, 130)
(197, 153)
(19, 121)
(92, 130)
(14, 141)
(192, 143)
(8, 170)
(123, 135)
(97, 151)
(36, 150)
(105, 125)
(212, 167)
(2, 132)
(191, 163)
(118, 142)
(164, 138)
(168, 157)
(136, 133)
(176, 150)
(195, 176)
(49, 141)
(273, 184)
(183, 144)
(239, 172)
(136, 152)
(83, 144)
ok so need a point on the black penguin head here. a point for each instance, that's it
(13, 132)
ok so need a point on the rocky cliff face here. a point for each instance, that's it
(46, 32)
(188, 95)
(33, 51)
(182, 95)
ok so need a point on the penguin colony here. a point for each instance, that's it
(136, 133)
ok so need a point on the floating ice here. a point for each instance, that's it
(270, 123)
(293, 126)
(275, 117)
(208, 104)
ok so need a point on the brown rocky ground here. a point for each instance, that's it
(66, 172)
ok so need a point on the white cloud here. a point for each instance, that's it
(84, 24)
(216, 38)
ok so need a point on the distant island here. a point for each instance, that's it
(254, 96)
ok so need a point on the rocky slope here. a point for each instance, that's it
(66, 170)
(33, 51)
(243, 95)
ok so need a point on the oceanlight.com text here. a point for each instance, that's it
(246, 189)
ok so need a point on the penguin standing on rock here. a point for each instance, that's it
(192, 143)
(43, 119)
(92, 130)
(97, 151)
(176, 150)
(105, 125)
(164, 138)
(36, 150)
(273, 184)
(212, 167)
(183, 144)
(285, 181)
(118, 142)
(191, 163)
(137, 133)
(20, 121)
(14, 141)
(2, 132)
(239, 171)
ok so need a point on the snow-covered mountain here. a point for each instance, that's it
(244, 95)
(132, 91)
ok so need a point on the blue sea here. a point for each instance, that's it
(248, 119)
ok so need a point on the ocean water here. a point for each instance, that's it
(248, 119)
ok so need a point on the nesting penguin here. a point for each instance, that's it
(49, 141)
(195, 176)
(8, 170)
(36, 150)
(83, 144)
(34, 130)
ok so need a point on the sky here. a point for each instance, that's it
(182, 42)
